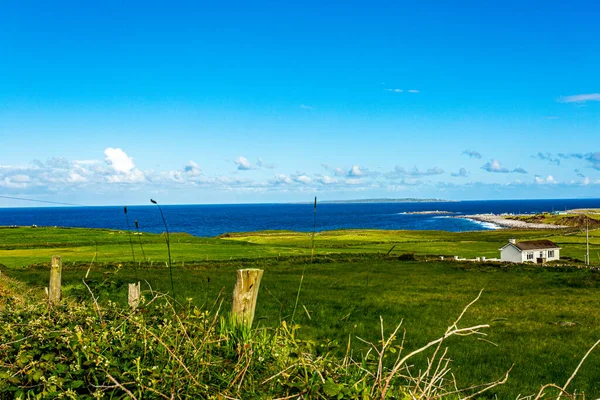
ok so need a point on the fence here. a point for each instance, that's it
(245, 292)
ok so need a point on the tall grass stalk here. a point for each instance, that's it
(137, 228)
(298, 294)
(130, 240)
(168, 245)
(312, 254)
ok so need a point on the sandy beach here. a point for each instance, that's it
(500, 221)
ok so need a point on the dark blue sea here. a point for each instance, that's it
(213, 220)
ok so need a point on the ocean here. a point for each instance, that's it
(213, 220)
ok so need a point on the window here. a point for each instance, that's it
(550, 253)
(541, 254)
(530, 255)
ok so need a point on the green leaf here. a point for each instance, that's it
(76, 384)
(61, 368)
(331, 388)
(37, 375)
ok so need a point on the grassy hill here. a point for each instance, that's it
(25, 245)
(579, 219)
(542, 319)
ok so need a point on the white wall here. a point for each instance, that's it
(536, 254)
(543, 254)
(556, 255)
(510, 254)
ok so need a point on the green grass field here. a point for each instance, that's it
(542, 320)
(21, 247)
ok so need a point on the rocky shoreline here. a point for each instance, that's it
(503, 222)
(427, 212)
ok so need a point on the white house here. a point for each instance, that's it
(535, 251)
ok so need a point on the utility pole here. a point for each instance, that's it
(587, 241)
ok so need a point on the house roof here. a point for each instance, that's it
(536, 245)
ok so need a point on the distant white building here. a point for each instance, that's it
(535, 251)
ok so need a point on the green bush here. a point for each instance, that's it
(80, 350)
(407, 257)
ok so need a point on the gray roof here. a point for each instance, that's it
(536, 245)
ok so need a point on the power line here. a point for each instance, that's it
(39, 201)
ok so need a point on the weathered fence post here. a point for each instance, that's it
(134, 295)
(55, 279)
(245, 294)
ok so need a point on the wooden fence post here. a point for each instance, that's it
(245, 294)
(55, 280)
(134, 295)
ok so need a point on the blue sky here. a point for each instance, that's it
(234, 102)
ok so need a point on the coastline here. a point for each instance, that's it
(501, 222)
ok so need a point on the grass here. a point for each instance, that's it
(578, 219)
(158, 350)
(25, 246)
(542, 319)
(530, 310)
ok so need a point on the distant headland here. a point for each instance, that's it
(404, 200)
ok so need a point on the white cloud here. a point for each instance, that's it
(354, 181)
(21, 178)
(430, 171)
(192, 169)
(580, 98)
(74, 177)
(339, 172)
(123, 165)
(472, 153)
(547, 180)
(243, 163)
(281, 179)
(326, 180)
(462, 173)
(355, 171)
(410, 182)
(547, 157)
(116, 167)
(400, 172)
(494, 166)
(133, 176)
(305, 107)
(87, 162)
(594, 159)
(304, 179)
(176, 176)
(10, 183)
(401, 90)
(118, 160)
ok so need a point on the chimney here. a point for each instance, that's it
(513, 241)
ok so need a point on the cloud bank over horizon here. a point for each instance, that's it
(61, 179)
